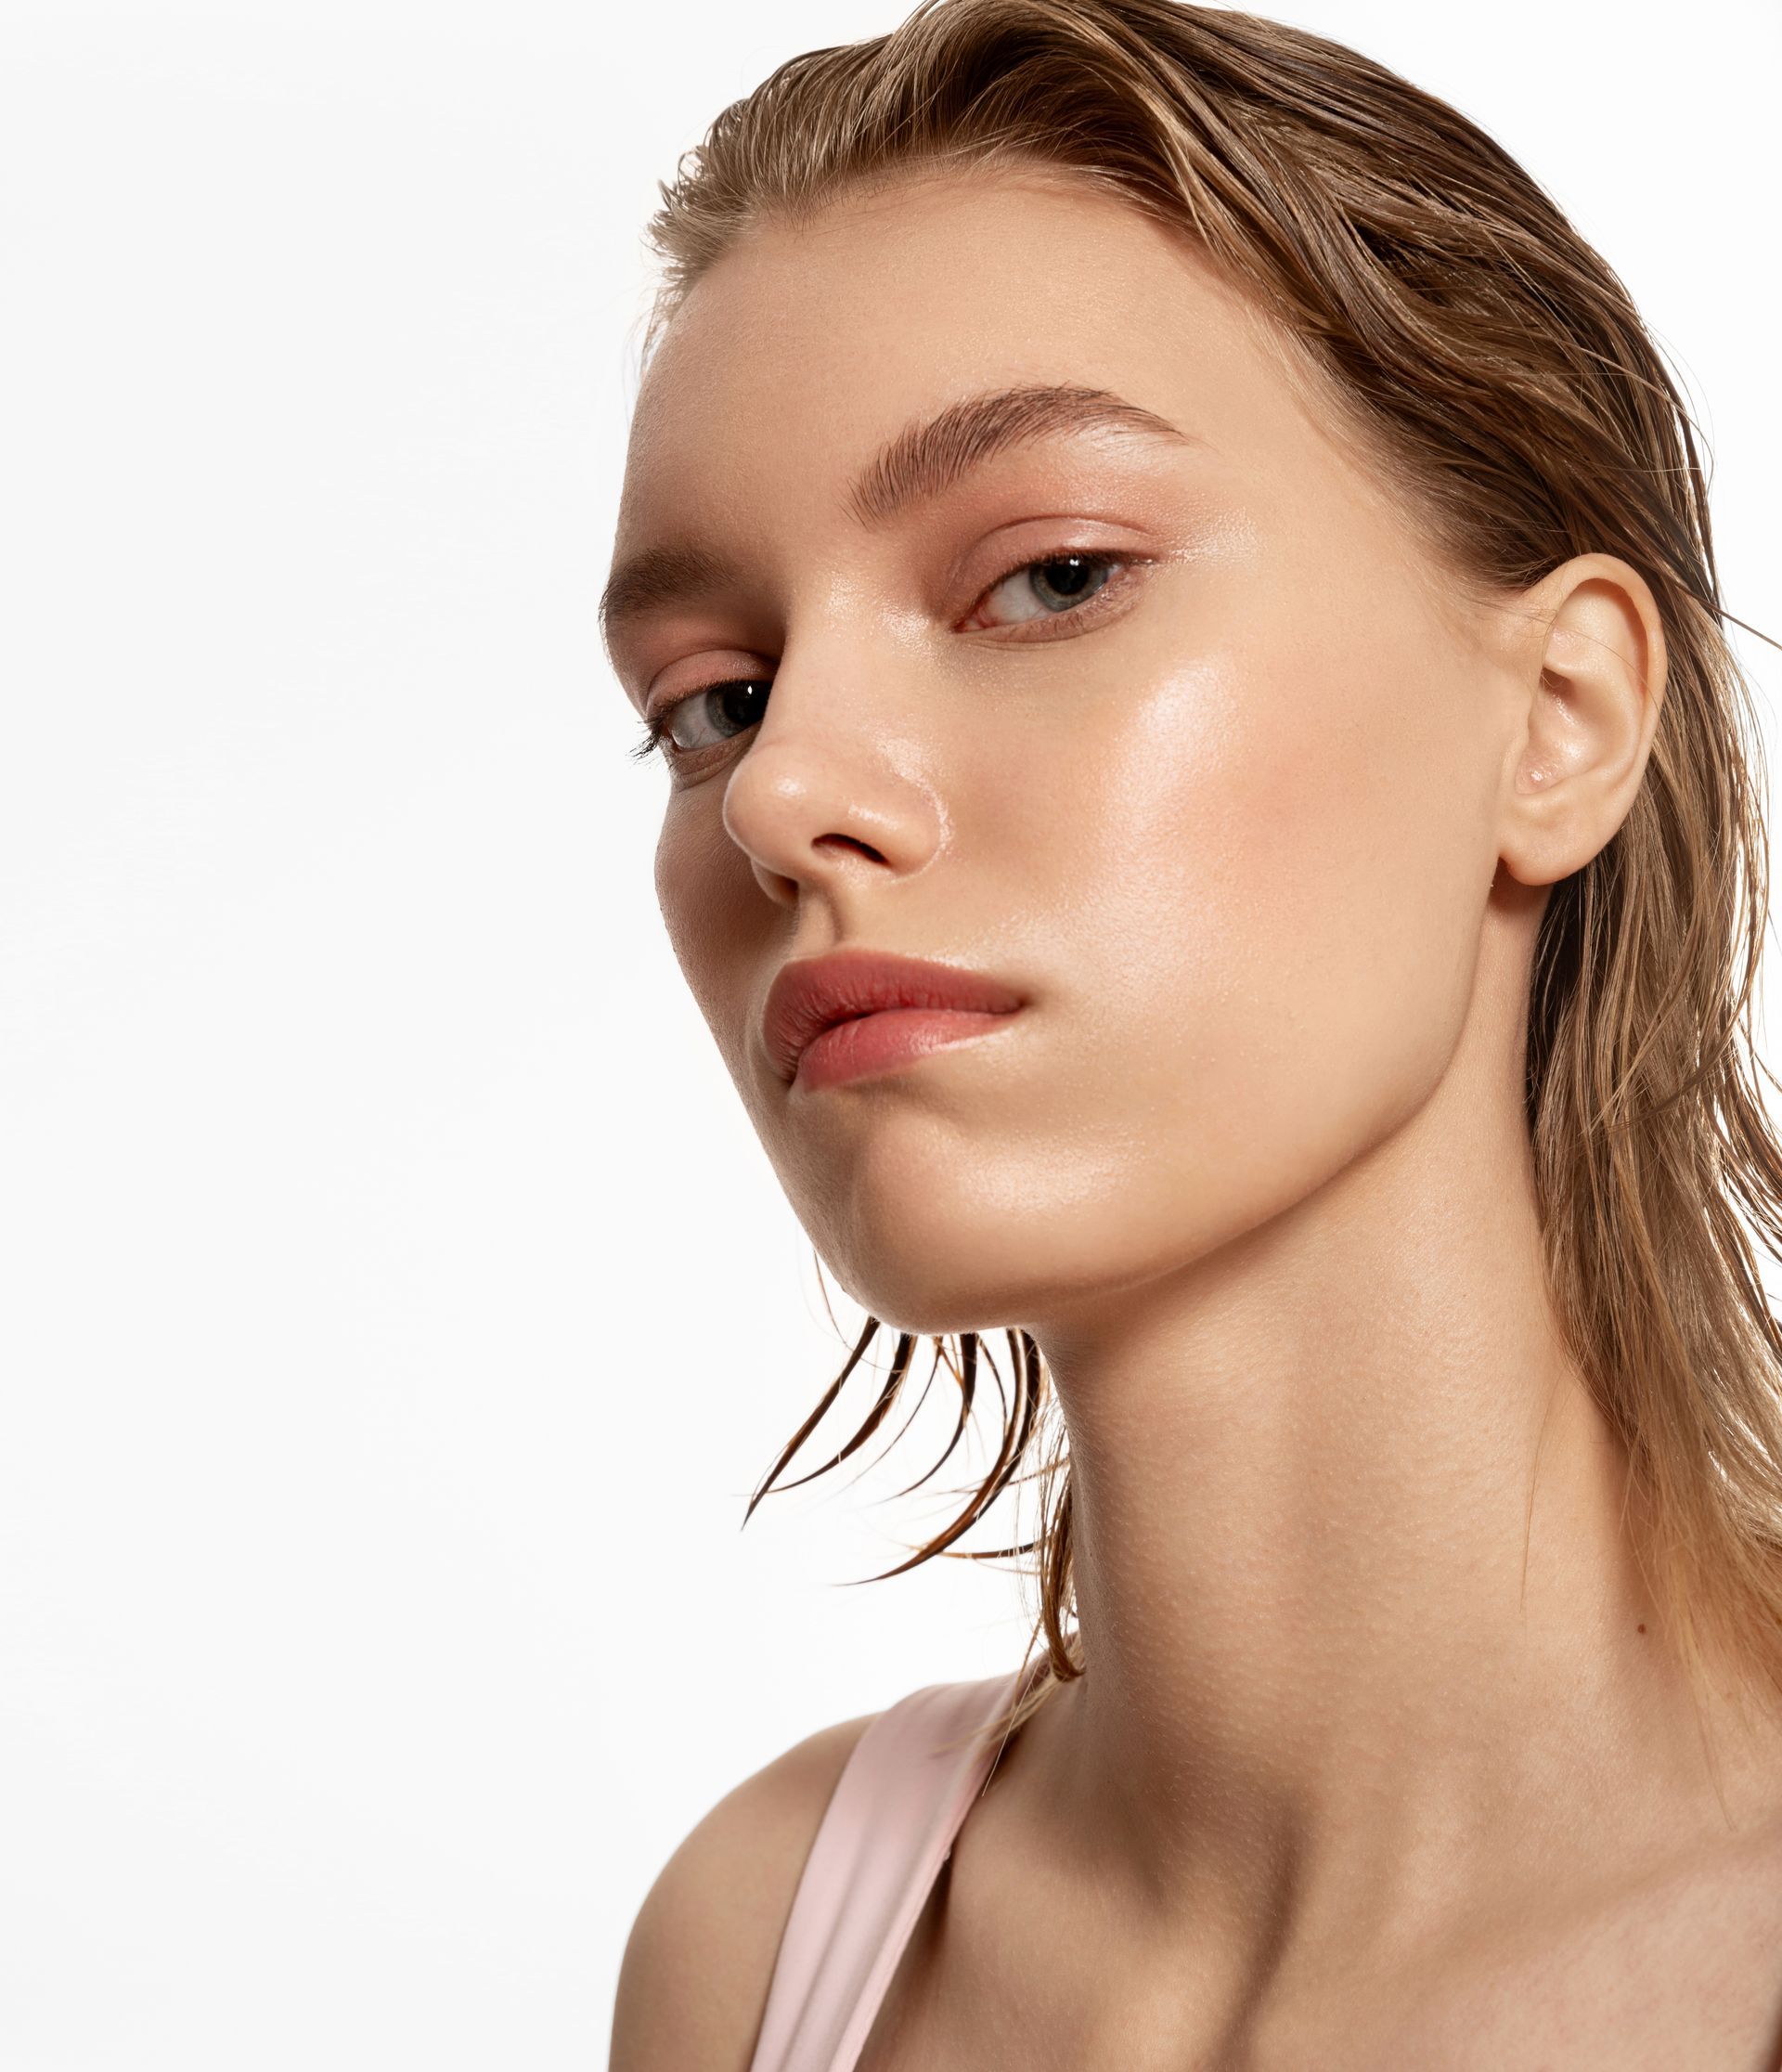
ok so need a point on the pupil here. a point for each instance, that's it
(732, 701)
(1067, 579)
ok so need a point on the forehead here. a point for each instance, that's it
(803, 347)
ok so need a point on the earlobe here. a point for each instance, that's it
(1592, 674)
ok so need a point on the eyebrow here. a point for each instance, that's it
(921, 462)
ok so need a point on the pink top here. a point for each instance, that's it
(899, 1804)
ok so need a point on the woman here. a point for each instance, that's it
(1213, 824)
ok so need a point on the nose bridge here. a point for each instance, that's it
(835, 776)
(838, 659)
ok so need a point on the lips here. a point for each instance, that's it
(814, 993)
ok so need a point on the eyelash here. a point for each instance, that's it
(654, 739)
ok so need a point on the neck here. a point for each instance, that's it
(1354, 1581)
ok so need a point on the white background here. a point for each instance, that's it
(396, 1308)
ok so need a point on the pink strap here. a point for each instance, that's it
(890, 1824)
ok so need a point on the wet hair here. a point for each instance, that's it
(1503, 386)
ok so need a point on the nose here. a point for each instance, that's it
(835, 790)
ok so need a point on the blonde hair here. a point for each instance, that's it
(1507, 389)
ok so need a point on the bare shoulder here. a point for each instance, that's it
(693, 1982)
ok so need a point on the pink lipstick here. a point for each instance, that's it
(859, 1012)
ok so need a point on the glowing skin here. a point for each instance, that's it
(1379, 1761)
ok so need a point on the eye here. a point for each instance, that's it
(1054, 587)
(704, 718)
(1048, 588)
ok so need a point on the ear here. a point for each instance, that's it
(1589, 682)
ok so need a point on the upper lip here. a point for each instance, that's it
(812, 993)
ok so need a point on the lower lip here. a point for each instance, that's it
(880, 1042)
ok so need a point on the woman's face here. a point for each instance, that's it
(1216, 801)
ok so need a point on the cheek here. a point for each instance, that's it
(712, 909)
(1277, 881)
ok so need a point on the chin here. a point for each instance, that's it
(985, 1268)
(934, 1278)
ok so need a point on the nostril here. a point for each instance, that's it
(850, 841)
